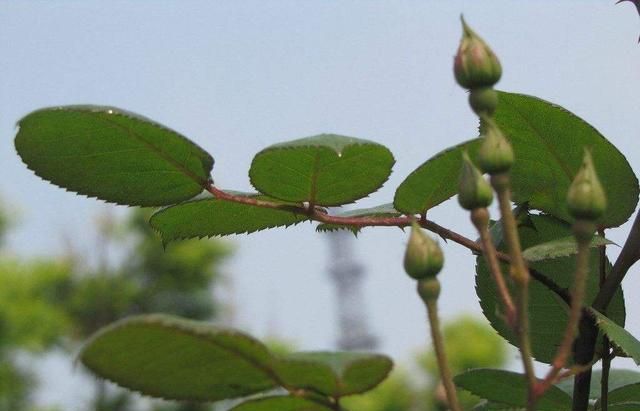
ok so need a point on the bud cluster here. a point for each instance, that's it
(477, 69)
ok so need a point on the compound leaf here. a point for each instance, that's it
(280, 403)
(334, 374)
(548, 313)
(112, 155)
(384, 210)
(326, 170)
(510, 388)
(619, 336)
(168, 357)
(214, 217)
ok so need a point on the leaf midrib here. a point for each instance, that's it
(159, 153)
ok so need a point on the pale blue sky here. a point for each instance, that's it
(236, 76)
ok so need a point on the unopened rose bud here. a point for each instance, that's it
(423, 257)
(473, 191)
(475, 65)
(586, 199)
(495, 155)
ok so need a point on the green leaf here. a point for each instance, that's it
(506, 387)
(215, 217)
(617, 378)
(384, 210)
(625, 406)
(113, 155)
(561, 247)
(168, 357)
(548, 313)
(547, 141)
(626, 393)
(280, 403)
(334, 374)
(326, 170)
(618, 336)
(435, 181)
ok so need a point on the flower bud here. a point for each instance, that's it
(473, 190)
(586, 199)
(483, 100)
(423, 257)
(475, 65)
(495, 155)
(429, 289)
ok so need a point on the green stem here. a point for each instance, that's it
(606, 344)
(586, 341)
(480, 218)
(431, 302)
(604, 380)
(520, 274)
(583, 231)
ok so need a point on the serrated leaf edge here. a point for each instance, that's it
(360, 142)
(636, 186)
(208, 161)
(165, 242)
(417, 169)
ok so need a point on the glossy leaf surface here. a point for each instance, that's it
(167, 357)
(384, 210)
(213, 217)
(334, 374)
(326, 170)
(112, 155)
(548, 143)
(506, 387)
(547, 312)
(280, 403)
(619, 336)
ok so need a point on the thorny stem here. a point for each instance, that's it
(520, 274)
(585, 344)
(441, 355)
(480, 219)
(577, 298)
(319, 214)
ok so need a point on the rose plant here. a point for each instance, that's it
(542, 276)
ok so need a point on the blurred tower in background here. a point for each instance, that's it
(347, 275)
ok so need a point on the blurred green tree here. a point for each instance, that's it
(31, 320)
(177, 280)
